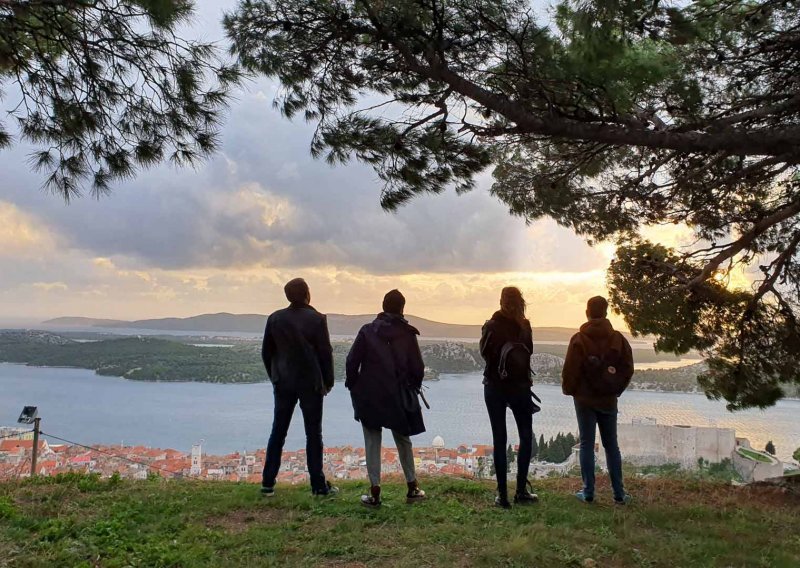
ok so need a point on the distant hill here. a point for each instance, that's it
(338, 324)
(84, 322)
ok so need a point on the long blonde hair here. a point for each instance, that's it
(512, 304)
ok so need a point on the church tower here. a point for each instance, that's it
(197, 460)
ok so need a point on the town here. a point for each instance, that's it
(138, 462)
(643, 443)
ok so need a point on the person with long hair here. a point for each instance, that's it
(506, 346)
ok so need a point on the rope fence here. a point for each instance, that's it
(109, 454)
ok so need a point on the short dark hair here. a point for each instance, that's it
(297, 291)
(394, 302)
(597, 307)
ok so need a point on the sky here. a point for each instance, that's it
(227, 235)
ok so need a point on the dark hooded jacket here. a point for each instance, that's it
(495, 333)
(595, 337)
(384, 363)
(297, 349)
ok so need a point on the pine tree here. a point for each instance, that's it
(103, 88)
(770, 448)
(510, 457)
(610, 117)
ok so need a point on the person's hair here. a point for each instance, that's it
(394, 302)
(597, 307)
(297, 291)
(512, 304)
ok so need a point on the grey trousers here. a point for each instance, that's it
(372, 446)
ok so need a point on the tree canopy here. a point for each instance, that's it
(608, 116)
(103, 87)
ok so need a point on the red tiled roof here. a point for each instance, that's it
(15, 445)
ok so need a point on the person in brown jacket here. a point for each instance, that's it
(597, 369)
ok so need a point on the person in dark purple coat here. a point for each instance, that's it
(384, 374)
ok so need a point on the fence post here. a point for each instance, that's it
(35, 453)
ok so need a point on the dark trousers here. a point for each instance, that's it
(497, 400)
(311, 407)
(589, 419)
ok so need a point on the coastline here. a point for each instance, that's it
(435, 379)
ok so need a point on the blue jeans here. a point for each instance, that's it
(589, 419)
(311, 405)
(497, 401)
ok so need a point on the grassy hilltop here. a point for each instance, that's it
(84, 521)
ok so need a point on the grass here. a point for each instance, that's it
(753, 455)
(84, 521)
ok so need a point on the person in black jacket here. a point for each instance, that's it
(505, 337)
(299, 361)
(384, 374)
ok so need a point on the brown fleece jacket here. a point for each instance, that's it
(595, 338)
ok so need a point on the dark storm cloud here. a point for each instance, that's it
(265, 201)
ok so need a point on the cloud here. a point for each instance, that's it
(21, 233)
(266, 202)
(50, 286)
(226, 236)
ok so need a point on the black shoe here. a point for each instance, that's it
(525, 497)
(502, 502)
(373, 498)
(626, 500)
(328, 491)
(415, 494)
(267, 491)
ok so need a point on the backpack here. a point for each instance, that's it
(605, 374)
(515, 363)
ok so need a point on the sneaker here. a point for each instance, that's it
(525, 497)
(267, 491)
(626, 500)
(502, 502)
(584, 497)
(414, 494)
(328, 491)
(373, 498)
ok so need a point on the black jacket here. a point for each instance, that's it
(384, 363)
(495, 333)
(297, 349)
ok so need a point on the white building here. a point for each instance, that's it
(197, 460)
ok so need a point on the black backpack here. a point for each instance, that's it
(515, 363)
(605, 374)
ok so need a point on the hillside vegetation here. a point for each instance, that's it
(157, 359)
(84, 521)
(152, 359)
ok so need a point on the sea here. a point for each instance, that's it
(80, 406)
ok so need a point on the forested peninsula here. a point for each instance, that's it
(146, 358)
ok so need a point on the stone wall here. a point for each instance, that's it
(656, 444)
(752, 470)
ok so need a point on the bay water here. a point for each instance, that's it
(79, 405)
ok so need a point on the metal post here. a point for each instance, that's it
(35, 453)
